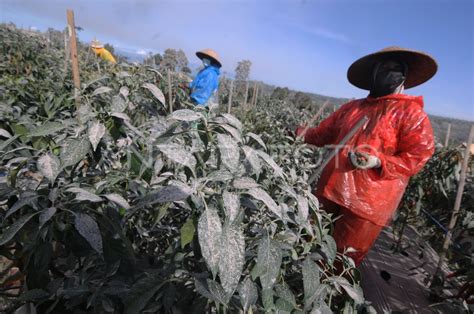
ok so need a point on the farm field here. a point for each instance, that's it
(125, 198)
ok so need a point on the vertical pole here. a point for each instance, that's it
(229, 103)
(256, 96)
(73, 48)
(170, 91)
(253, 94)
(246, 93)
(457, 202)
(448, 134)
(66, 53)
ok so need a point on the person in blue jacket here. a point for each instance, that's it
(207, 80)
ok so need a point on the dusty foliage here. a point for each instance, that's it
(122, 206)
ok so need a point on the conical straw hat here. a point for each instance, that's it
(211, 54)
(421, 66)
(96, 44)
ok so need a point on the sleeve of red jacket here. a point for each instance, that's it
(326, 132)
(416, 146)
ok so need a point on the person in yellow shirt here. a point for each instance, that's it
(101, 52)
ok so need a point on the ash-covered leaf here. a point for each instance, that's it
(209, 233)
(178, 154)
(118, 199)
(120, 115)
(25, 198)
(263, 196)
(283, 292)
(329, 248)
(257, 138)
(49, 166)
(89, 230)
(96, 132)
(232, 131)
(269, 258)
(231, 257)
(170, 193)
(248, 294)
(84, 195)
(252, 157)
(187, 232)
(8, 234)
(156, 92)
(118, 104)
(74, 150)
(269, 160)
(303, 208)
(5, 133)
(229, 150)
(101, 90)
(245, 183)
(46, 215)
(233, 121)
(231, 205)
(311, 279)
(47, 129)
(185, 115)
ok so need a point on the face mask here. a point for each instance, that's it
(206, 62)
(387, 81)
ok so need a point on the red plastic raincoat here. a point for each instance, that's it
(398, 133)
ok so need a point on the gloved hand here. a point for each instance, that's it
(364, 161)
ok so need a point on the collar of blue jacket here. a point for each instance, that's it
(204, 84)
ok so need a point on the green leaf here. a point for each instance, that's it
(74, 150)
(101, 90)
(187, 232)
(8, 234)
(248, 294)
(89, 230)
(284, 293)
(231, 257)
(141, 292)
(209, 233)
(269, 258)
(26, 198)
(34, 295)
(49, 166)
(329, 248)
(311, 278)
(46, 215)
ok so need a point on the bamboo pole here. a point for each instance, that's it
(229, 103)
(73, 49)
(448, 134)
(256, 96)
(170, 92)
(253, 95)
(66, 53)
(246, 93)
(457, 202)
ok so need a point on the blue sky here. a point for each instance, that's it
(305, 45)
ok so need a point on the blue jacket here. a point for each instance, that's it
(204, 84)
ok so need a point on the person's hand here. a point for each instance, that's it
(364, 161)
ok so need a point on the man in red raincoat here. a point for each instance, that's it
(366, 179)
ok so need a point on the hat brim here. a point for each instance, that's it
(201, 55)
(421, 67)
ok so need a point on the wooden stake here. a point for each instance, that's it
(457, 202)
(254, 93)
(448, 134)
(73, 48)
(256, 96)
(170, 92)
(246, 93)
(229, 103)
(66, 53)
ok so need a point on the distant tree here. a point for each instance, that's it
(110, 48)
(55, 37)
(182, 61)
(169, 60)
(280, 93)
(242, 74)
(302, 100)
(186, 70)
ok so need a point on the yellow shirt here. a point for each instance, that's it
(104, 54)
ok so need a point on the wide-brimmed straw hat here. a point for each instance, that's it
(210, 54)
(421, 66)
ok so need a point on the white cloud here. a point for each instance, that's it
(141, 52)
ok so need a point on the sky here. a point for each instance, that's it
(304, 45)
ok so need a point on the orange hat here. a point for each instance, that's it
(210, 54)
